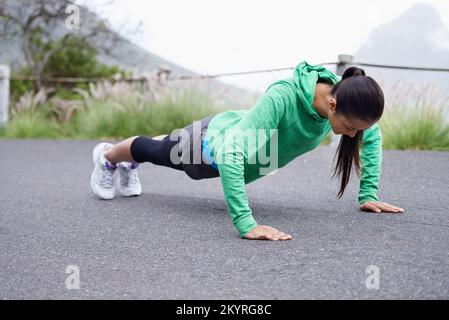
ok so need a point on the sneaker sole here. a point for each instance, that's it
(130, 194)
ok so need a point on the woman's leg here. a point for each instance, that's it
(140, 149)
(122, 150)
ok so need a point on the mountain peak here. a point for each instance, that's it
(414, 36)
(418, 37)
(421, 13)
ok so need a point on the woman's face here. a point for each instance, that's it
(341, 124)
(347, 126)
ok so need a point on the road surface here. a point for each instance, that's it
(176, 240)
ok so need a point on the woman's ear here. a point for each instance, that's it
(333, 104)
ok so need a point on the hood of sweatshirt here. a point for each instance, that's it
(305, 77)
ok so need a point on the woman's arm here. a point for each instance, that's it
(267, 114)
(371, 162)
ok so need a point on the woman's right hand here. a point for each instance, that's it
(267, 233)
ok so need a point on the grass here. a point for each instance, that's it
(109, 118)
(416, 129)
(120, 121)
(416, 117)
(31, 125)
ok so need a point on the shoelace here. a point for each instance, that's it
(107, 178)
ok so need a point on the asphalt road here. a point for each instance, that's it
(176, 240)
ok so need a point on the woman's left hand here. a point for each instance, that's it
(377, 206)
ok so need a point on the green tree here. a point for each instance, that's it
(76, 58)
(34, 24)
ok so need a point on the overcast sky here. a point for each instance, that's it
(210, 36)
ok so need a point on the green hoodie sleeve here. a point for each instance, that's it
(371, 161)
(266, 113)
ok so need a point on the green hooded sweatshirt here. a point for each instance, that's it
(296, 128)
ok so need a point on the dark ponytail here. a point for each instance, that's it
(358, 96)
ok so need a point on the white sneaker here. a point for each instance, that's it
(102, 179)
(129, 183)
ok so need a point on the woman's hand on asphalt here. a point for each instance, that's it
(267, 233)
(378, 207)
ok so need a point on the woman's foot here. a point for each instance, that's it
(129, 183)
(102, 178)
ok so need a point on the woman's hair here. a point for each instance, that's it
(358, 96)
